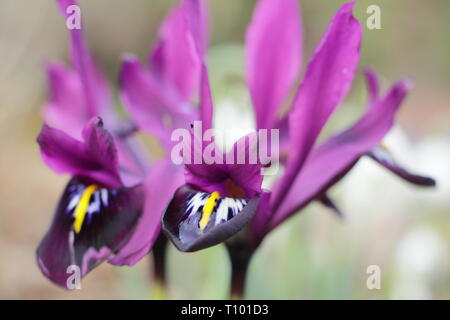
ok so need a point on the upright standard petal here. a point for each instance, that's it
(196, 15)
(99, 143)
(175, 58)
(206, 102)
(91, 223)
(95, 157)
(214, 168)
(273, 56)
(329, 162)
(96, 90)
(327, 80)
(156, 108)
(161, 182)
(245, 169)
(66, 106)
(80, 94)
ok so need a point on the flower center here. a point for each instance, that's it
(234, 190)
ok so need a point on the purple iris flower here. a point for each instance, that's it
(96, 214)
(111, 207)
(219, 200)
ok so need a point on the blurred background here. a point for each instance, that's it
(399, 227)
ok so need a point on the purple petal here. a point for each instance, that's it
(109, 222)
(195, 12)
(198, 169)
(240, 166)
(155, 108)
(385, 158)
(273, 57)
(65, 108)
(206, 103)
(207, 177)
(327, 80)
(79, 95)
(175, 58)
(160, 184)
(283, 127)
(61, 152)
(329, 162)
(196, 15)
(133, 159)
(64, 154)
(100, 145)
(246, 172)
(96, 91)
(373, 87)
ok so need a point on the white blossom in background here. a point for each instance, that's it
(420, 256)
(232, 120)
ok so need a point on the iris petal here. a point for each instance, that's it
(97, 94)
(174, 58)
(157, 197)
(327, 80)
(385, 158)
(155, 108)
(331, 160)
(108, 218)
(273, 56)
(94, 157)
(65, 107)
(197, 220)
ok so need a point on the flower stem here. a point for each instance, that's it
(159, 268)
(240, 259)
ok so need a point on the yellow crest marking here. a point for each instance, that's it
(81, 209)
(208, 209)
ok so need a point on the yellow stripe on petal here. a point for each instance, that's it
(81, 209)
(208, 209)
